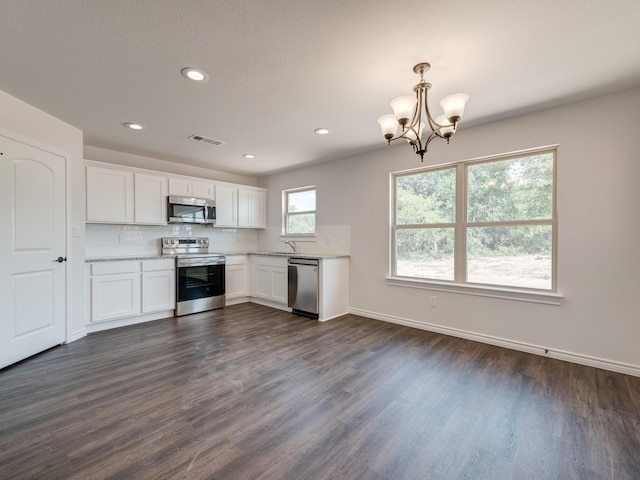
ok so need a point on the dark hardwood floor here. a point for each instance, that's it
(248, 392)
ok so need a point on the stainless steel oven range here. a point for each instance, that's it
(200, 280)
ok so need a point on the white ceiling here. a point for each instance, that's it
(281, 68)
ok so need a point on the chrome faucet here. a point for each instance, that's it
(293, 245)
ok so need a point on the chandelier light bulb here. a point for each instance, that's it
(453, 106)
(403, 108)
(447, 129)
(389, 125)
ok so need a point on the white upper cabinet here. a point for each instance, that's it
(226, 206)
(133, 195)
(191, 188)
(109, 195)
(151, 193)
(252, 208)
(180, 186)
(204, 190)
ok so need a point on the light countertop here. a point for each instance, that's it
(122, 258)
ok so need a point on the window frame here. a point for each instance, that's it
(286, 214)
(460, 283)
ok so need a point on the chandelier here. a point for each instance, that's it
(411, 113)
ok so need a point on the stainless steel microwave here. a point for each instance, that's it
(191, 210)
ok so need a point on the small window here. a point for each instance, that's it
(299, 206)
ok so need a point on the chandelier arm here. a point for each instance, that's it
(433, 135)
(417, 110)
(403, 135)
(412, 126)
(435, 126)
(416, 119)
(417, 146)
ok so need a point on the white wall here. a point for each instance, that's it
(42, 130)
(599, 227)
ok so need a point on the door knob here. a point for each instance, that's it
(60, 259)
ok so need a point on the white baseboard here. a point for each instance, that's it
(332, 317)
(236, 301)
(572, 357)
(268, 303)
(77, 335)
(124, 322)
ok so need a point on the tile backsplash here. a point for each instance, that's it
(105, 240)
(331, 239)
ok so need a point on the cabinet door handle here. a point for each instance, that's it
(60, 260)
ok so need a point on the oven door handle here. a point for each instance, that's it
(198, 262)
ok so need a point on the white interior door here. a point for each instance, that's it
(32, 282)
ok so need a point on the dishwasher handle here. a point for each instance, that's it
(304, 261)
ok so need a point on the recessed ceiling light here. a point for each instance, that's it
(248, 155)
(133, 126)
(194, 74)
(321, 131)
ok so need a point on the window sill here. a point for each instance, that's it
(299, 237)
(534, 296)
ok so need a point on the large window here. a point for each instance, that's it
(299, 207)
(486, 222)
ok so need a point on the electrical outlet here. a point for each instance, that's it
(434, 301)
(122, 239)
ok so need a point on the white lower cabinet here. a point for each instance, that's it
(269, 284)
(333, 286)
(115, 290)
(236, 277)
(158, 286)
(134, 291)
(130, 289)
(269, 279)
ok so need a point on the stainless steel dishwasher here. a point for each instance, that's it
(303, 286)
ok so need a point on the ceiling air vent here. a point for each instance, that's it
(201, 138)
